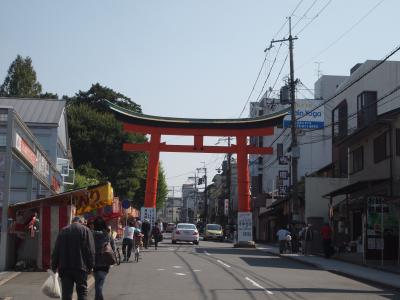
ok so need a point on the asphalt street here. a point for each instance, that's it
(216, 271)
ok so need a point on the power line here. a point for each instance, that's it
(269, 73)
(254, 85)
(343, 34)
(313, 18)
(287, 19)
(354, 81)
(305, 14)
(265, 59)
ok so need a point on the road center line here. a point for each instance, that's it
(259, 286)
(222, 263)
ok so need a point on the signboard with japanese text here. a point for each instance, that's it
(96, 197)
(25, 149)
(308, 116)
(283, 174)
(245, 227)
(148, 213)
(284, 160)
(41, 166)
(282, 190)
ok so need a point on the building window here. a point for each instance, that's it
(366, 108)
(357, 160)
(3, 140)
(397, 141)
(381, 147)
(339, 121)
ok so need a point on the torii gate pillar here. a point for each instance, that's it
(152, 171)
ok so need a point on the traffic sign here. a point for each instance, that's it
(126, 204)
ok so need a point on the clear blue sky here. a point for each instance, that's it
(189, 58)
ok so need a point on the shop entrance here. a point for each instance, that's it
(241, 129)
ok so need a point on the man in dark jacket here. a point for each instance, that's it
(74, 256)
(146, 232)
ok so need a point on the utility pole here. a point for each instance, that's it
(195, 198)
(294, 146)
(228, 184)
(205, 192)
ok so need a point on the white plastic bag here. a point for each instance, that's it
(51, 287)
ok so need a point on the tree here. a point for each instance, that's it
(96, 95)
(97, 137)
(21, 80)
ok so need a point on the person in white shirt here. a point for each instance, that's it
(282, 237)
(127, 242)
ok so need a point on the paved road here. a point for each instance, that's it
(216, 271)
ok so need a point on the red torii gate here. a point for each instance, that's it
(199, 128)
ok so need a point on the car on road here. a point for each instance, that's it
(170, 227)
(213, 232)
(185, 232)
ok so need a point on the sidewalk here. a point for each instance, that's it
(25, 285)
(362, 273)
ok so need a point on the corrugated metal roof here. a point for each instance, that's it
(47, 111)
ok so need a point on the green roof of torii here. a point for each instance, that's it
(129, 116)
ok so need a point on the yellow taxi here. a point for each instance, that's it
(213, 232)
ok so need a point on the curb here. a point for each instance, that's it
(8, 277)
(340, 273)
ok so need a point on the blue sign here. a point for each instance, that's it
(309, 115)
(126, 204)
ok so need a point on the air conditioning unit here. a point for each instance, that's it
(63, 166)
(70, 178)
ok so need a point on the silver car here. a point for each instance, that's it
(185, 232)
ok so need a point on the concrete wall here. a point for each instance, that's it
(315, 188)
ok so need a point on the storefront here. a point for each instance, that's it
(35, 225)
(366, 224)
(26, 172)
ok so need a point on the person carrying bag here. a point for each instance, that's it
(105, 256)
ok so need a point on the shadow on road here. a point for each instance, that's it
(274, 262)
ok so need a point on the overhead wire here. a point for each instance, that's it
(343, 34)
(379, 63)
(305, 14)
(313, 18)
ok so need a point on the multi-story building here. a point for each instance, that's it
(172, 210)
(366, 151)
(189, 197)
(27, 170)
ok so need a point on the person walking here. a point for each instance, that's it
(74, 256)
(326, 240)
(156, 234)
(282, 238)
(146, 232)
(127, 241)
(101, 267)
(308, 238)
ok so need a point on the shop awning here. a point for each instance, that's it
(85, 200)
(357, 186)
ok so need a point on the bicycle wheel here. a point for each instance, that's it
(118, 256)
(137, 254)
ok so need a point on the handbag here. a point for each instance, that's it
(109, 255)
